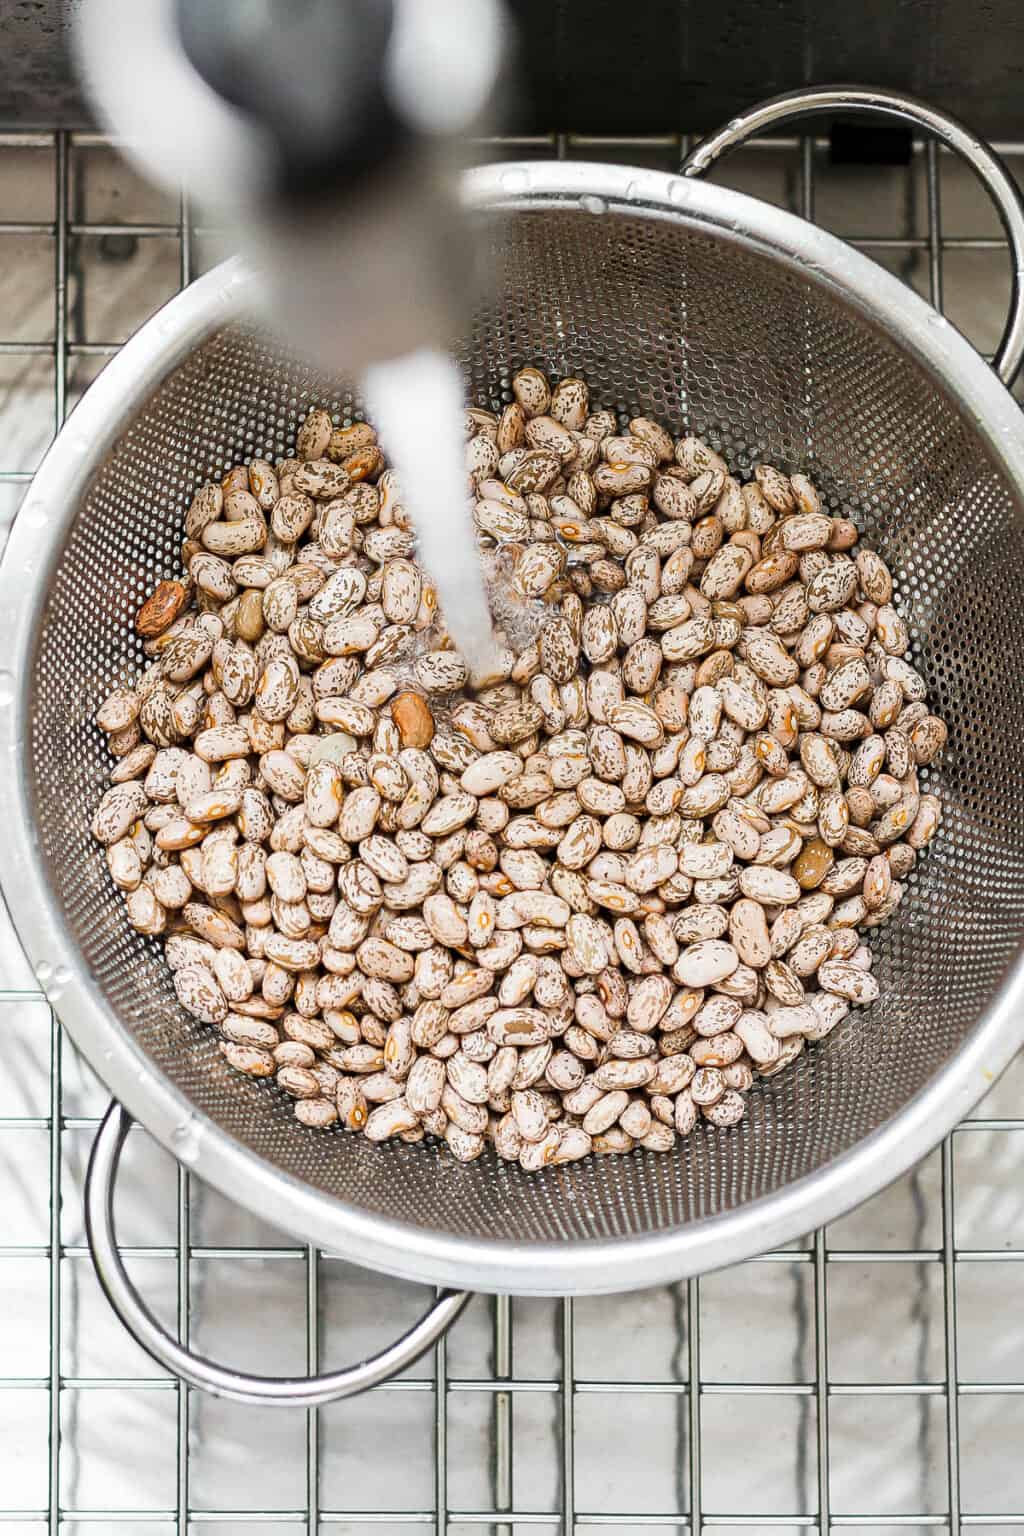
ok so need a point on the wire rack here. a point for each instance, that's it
(870, 1377)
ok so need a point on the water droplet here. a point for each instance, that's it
(185, 1140)
(34, 512)
(679, 189)
(593, 204)
(62, 974)
(515, 180)
(334, 747)
(44, 970)
(6, 687)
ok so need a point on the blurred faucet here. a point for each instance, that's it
(324, 134)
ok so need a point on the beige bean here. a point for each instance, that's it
(848, 981)
(705, 963)
(770, 887)
(618, 887)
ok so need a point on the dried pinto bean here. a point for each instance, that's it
(574, 908)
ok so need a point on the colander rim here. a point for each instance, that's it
(384, 1243)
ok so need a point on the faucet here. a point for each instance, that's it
(324, 136)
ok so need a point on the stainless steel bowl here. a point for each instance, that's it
(681, 301)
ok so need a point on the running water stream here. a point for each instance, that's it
(418, 407)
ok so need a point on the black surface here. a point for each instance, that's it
(870, 144)
(658, 65)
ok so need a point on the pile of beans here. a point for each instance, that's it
(570, 907)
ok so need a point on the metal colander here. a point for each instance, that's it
(773, 341)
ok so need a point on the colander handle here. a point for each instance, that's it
(221, 1380)
(832, 99)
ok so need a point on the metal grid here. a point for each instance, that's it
(630, 1414)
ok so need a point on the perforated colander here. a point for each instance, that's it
(675, 300)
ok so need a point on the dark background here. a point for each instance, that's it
(649, 66)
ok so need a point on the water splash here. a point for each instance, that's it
(417, 405)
